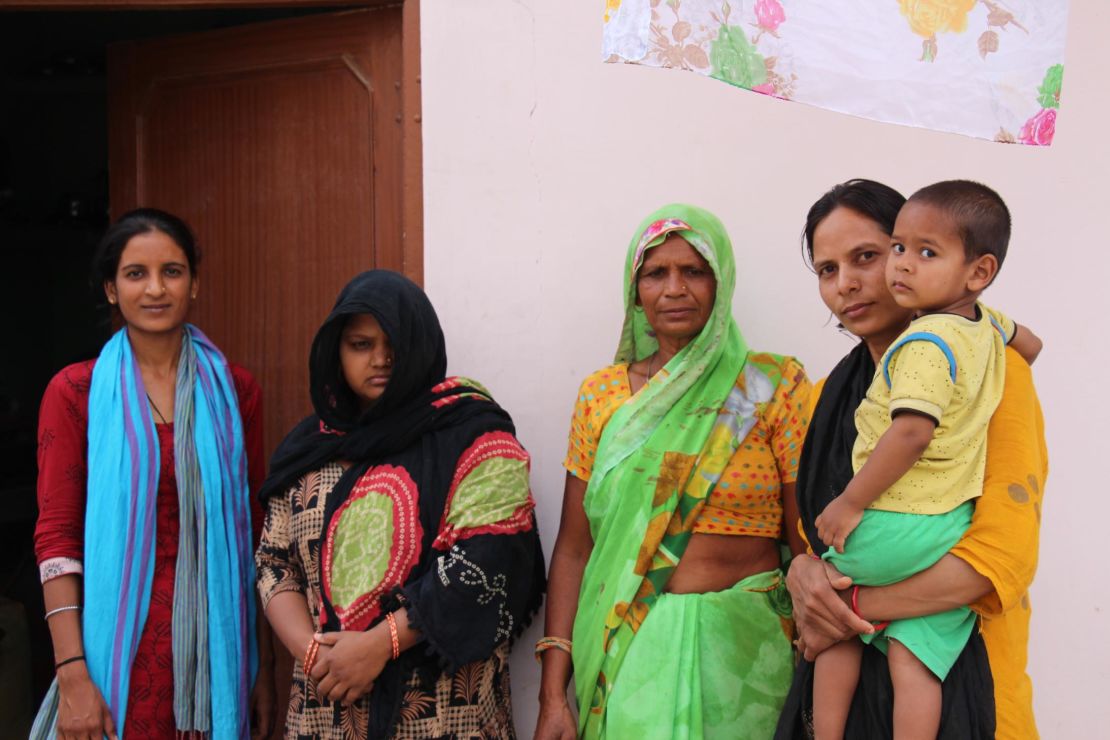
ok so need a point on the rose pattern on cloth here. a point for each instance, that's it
(769, 14)
(1040, 129)
(973, 67)
(927, 18)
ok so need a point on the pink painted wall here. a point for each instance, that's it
(540, 160)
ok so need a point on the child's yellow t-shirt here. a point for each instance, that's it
(952, 369)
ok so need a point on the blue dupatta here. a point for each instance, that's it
(215, 654)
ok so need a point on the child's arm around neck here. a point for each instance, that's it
(1027, 344)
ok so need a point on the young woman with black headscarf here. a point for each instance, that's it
(400, 554)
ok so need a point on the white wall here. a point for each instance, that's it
(540, 160)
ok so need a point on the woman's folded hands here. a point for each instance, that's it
(348, 663)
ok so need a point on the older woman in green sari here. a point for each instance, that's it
(665, 592)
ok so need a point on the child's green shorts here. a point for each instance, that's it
(890, 546)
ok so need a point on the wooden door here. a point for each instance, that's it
(281, 144)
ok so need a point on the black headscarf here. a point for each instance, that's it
(824, 470)
(421, 424)
(340, 429)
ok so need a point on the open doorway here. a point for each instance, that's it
(282, 223)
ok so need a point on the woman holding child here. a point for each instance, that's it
(848, 238)
(665, 585)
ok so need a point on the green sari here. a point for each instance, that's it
(658, 458)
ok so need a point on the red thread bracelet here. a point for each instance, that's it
(879, 626)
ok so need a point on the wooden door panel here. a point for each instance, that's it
(260, 172)
(281, 145)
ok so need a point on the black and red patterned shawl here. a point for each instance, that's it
(466, 589)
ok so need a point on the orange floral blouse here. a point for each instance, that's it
(748, 498)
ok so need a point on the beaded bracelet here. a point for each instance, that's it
(394, 641)
(546, 643)
(60, 609)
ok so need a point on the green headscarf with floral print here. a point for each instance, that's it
(660, 455)
(704, 370)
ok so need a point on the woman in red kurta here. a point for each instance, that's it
(60, 531)
(147, 262)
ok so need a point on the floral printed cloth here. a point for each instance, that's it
(985, 68)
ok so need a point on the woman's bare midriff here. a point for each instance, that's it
(716, 562)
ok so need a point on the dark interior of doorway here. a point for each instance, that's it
(53, 208)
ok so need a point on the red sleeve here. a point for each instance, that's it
(63, 469)
(250, 408)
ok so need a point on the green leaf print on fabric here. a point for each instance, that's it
(490, 493)
(1050, 89)
(361, 551)
(735, 60)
